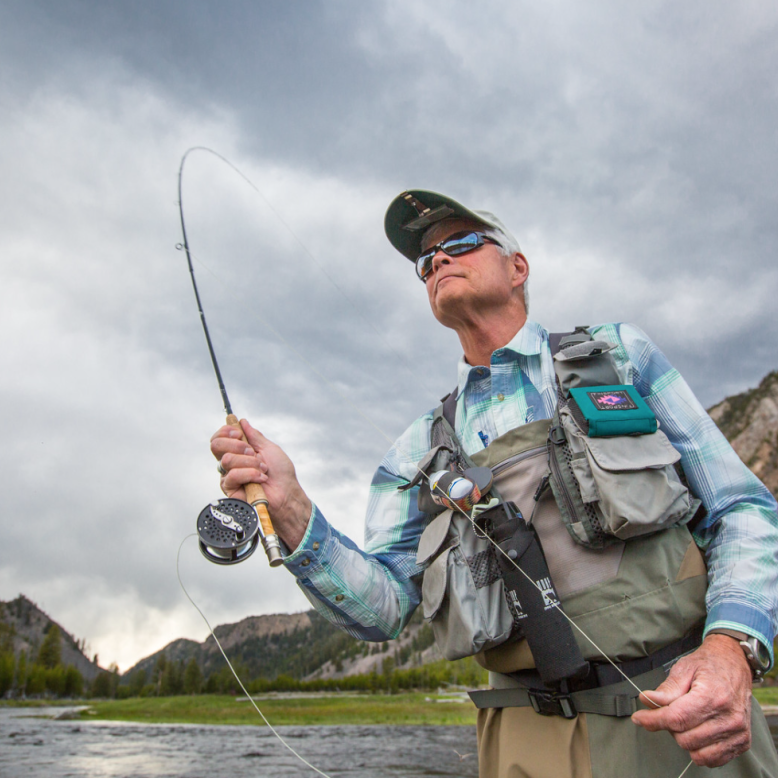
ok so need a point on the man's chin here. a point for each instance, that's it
(448, 305)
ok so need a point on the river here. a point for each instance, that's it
(33, 745)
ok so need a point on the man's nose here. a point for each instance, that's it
(440, 258)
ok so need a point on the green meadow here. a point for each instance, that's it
(412, 709)
(416, 709)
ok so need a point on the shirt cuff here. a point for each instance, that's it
(741, 617)
(312, 547)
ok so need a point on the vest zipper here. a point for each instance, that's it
(557, 473)
(497, 469)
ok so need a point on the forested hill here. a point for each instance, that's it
(39, 656)
(750, 423)
(299, 645)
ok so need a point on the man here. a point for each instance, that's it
(476, 279)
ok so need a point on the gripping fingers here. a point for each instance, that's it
(228, 440)
(236, 479)
(714, 743)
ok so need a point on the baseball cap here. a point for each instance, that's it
(414, 211)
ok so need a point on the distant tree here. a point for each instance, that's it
(102, 685)
(114, 671)
(137, 682)
(50, 654)
(36, 680)
(193, 677)
(158, 672)
(73, 685)
(6, 672)
(55, 680)
(21, 674)
(387, 669)
(172, 679)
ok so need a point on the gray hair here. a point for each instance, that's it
(508, 246)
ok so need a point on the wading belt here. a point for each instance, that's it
(604, 691)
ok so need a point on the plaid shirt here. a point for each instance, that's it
(371, 594)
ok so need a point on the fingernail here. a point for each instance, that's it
(233, 433)
(249, 452)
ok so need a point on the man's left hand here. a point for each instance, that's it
(706, 702)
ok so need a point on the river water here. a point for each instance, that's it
(33, 745)
(45, 748)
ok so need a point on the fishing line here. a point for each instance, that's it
(229, 664)
(351, 404)
(406, 364)
(253, 312)
(408, 458)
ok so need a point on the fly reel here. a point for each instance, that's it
(228, 531)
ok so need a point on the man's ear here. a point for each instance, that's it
(520, 269)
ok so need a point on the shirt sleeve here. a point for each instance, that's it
(370, 594)
(739, 535)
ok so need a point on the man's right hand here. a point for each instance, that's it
(263, 462)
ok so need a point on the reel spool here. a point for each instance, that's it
(228, 531)
(460, 491)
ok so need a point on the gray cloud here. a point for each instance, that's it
(631, 149)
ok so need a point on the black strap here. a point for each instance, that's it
(618, 700)
(605, 674)
(554, 339)
(450, 407)
(603, 691)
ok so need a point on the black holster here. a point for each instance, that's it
(532, 597)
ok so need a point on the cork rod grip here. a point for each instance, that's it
(255, 492)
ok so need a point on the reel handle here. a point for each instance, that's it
(255, 495)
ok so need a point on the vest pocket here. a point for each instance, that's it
(630, 481)
(466, 615)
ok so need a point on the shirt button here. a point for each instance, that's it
(316, 546)
(340, 597)
(305, 562)
(500, 396)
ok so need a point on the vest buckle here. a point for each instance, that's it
(551, 704)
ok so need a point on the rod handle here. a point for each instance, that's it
(255, 495)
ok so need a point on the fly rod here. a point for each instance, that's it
(228, 529)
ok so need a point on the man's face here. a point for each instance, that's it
(458, 287)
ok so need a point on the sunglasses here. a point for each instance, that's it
(454, 246)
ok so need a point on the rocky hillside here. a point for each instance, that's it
(750, 423)
(28, 625)
(300, 645)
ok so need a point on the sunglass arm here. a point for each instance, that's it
(255, 495)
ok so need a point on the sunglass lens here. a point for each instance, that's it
(424, 264)
(462, 244)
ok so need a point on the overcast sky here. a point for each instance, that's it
(630, 147)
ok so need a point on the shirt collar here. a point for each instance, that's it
(528, 341)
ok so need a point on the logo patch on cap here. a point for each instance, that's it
(615, 400)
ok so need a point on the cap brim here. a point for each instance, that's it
(411, 213)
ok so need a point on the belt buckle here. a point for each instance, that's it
(550, 704)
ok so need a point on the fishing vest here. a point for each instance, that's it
(609, 513)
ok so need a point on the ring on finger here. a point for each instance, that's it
(221, 469)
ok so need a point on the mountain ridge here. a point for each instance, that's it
(27, 626)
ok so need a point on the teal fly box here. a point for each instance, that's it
(608, 411)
